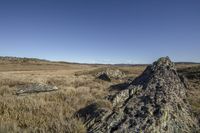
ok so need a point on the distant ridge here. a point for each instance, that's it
(178, 63)
(23, 59)
(26, 59)
(187, 63)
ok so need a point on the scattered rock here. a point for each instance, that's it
(153, 102)
(112, 73)
(35, 88)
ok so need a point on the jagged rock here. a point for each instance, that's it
(112, 73)
(35, 88)
(153, 102)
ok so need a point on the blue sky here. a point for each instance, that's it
(101, 31)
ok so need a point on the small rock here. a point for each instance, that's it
(35, 88)
(112, 73)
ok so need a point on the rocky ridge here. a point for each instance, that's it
(153, 102)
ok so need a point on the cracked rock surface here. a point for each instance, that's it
(154, 102)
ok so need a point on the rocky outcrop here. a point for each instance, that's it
(35, 88)
(112, 73)
(153, 102)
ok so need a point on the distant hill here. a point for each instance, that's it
(20, 59)
(121, 65)
(187, 63)
(24, 60)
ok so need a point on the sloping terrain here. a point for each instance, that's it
(50, 111)
(153, 102)
(193, 76)
(78, 87)
(32, 64)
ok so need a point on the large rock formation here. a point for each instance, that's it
(153, 102)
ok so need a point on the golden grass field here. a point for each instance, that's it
(54, 111)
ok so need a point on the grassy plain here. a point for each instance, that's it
(54, 111)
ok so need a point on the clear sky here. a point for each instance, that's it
(101, 31)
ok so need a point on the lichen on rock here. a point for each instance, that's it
(154, 102)
(111, 73)
(35, 88)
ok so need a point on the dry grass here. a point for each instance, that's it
(52, 111)
(193, 75)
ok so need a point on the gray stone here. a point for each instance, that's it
(153, 102)
(112, 73)
(35, 88)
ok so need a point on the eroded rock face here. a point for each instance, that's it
(153, 102)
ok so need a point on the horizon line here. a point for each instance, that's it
(94, 63)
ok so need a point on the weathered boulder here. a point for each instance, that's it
(112, 73)
(153, 102)
(35, 88)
